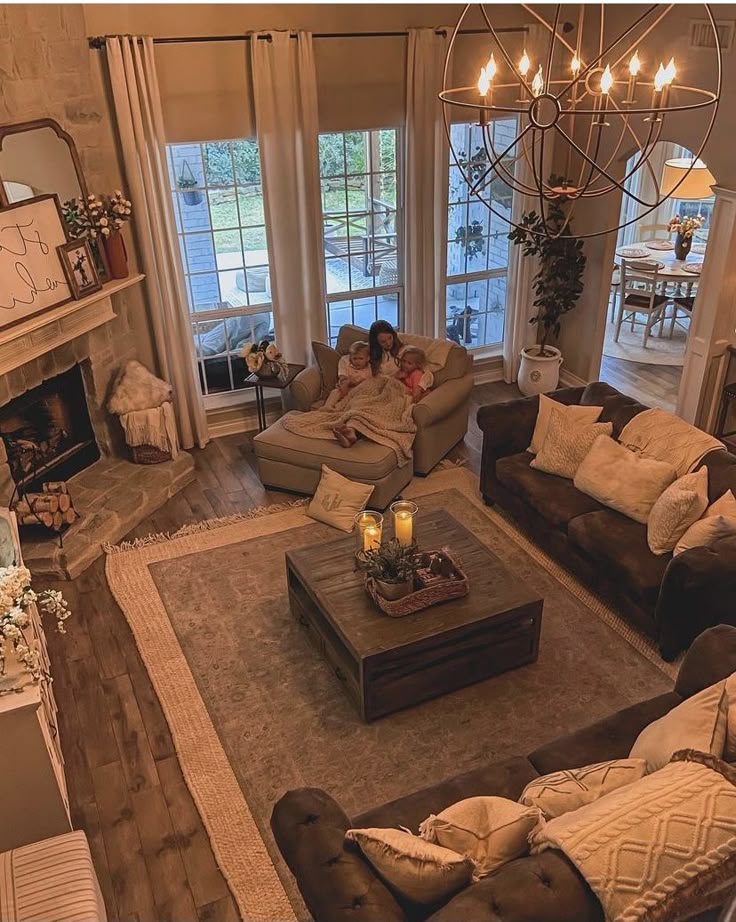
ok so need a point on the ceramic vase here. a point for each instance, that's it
(539, 374)
(117, 255)
(682, 246)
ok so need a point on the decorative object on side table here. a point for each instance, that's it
(404, 513)
(685, 228)
(264, 359)
(368, 531)
(78, 263)
(16, 596)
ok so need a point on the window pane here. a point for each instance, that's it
(221, 226)
(361, 225)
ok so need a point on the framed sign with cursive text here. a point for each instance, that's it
(31, 275)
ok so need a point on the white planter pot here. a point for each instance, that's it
(539, 374)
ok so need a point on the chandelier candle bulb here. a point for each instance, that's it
(524, 64)
(538, 82)
(575, 65)
(404, 512)
(634, 68)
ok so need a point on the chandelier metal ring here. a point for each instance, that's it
(590, 110)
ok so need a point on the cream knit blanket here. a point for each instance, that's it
(156, 426)
(379, 408)
(665, 437)
(660, 849)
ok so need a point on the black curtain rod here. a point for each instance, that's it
(98, 41)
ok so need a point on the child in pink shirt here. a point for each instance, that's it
(413, 372)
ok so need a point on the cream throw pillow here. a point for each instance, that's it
(416, 869)
(574, 414)
(698, 723)
(338, 500)
(724, 505)
(681, 504)
(488, 830)
(570, 789)
(706, 531)
(622, 480)
(566, 444)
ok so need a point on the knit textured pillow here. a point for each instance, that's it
(681, 504)
(566, 445)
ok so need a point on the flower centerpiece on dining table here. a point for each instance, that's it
(264, 359)
(685, 228)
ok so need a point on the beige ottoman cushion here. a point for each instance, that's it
(51, 879)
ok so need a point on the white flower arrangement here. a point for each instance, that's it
(97, 216)
(16, 596)
(257, 355)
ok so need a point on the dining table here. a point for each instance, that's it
(672, 269)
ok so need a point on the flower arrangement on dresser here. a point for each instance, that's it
(16, 598)
(264, 359)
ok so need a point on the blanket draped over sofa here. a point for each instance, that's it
(379, 409)
(665, 437)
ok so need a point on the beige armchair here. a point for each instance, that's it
(441, 416)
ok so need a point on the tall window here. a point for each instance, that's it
(218, 200)
(362, 232)
(477, 242)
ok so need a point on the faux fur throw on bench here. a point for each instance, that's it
(379, 408)
(658, 850)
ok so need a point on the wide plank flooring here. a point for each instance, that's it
(127, 791)
(653, 385)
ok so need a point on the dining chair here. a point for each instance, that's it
(682, 304)
(615, 286)
(640, 294)
(654, 231)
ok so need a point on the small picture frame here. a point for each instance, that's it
(79, 267)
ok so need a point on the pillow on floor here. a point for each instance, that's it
(622, 480)
(724, 505)
(700, 723)
(567, 790)
(326, 358)
(337, 500)
(566, 444)
(488, 830)
(681, 504)
(418, 870)
(706, 531)
(574, 413)
(659, 850)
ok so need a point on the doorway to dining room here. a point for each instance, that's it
(653, 291)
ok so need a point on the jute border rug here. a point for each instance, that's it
(236, 841)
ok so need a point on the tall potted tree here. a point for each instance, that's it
(557, 286)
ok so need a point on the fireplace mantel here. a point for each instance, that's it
(43, 332)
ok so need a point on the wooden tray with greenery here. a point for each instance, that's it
(437, 577)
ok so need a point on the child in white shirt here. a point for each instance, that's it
(354, 368)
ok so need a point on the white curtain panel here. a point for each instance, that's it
(140, 125)
(426, 181)
(285, 99)
(518, 331)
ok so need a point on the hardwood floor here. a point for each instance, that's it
(150, 849)
(654, 385)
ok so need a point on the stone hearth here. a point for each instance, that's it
(112, 495)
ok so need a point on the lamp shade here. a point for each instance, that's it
(697, 183)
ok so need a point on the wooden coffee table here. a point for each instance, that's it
(386, 664)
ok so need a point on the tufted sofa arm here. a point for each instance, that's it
(542, 888)
(336, 882)
(699, 581)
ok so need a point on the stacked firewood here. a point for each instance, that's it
(52, 508)
(27, 453)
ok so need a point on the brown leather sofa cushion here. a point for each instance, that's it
(503, 779)
(554, 498)
(543, 888)
(618, 408)
(620, 545)
(610, 738)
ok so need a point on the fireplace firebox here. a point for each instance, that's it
(47, 432)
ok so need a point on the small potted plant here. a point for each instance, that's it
(392, 567)
(557, 285)
(187, 182)
(685, 228)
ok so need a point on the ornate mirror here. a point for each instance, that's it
(37, 158)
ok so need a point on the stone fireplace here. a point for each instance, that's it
(54, 426)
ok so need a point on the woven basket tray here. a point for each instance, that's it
(149, 454)
(441, 591)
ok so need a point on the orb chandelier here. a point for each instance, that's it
(592, 100)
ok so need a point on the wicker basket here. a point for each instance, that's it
(149, 454)
(442, 591)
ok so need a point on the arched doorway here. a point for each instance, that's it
(644, 351)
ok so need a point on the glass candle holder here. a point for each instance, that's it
(404, 513)
(368, 531)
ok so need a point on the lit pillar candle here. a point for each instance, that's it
(404, 528)
(371, 538)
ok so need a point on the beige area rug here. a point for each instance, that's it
(255, 711)
(662, 351)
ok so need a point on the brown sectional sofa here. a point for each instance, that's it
(339, 885)
(671, 599)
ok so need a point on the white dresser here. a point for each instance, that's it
(33, 798)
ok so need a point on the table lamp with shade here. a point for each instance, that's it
(697, 183)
